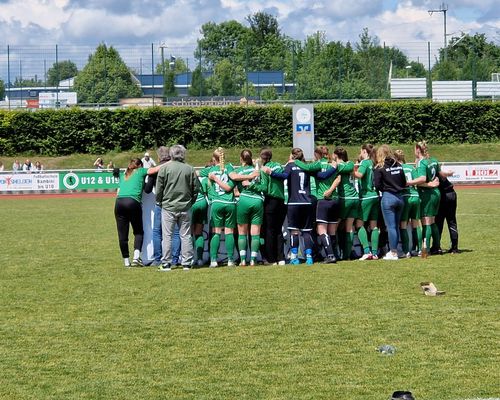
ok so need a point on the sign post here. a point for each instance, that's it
(303, 129)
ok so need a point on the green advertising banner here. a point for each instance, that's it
(92, 180)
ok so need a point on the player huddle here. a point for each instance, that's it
(326, 202)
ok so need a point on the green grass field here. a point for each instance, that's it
(198, 158)
(76, 325)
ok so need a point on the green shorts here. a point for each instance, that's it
(349, 208)
(249, 210)
(199, 212)
(223, 215)
(411, 209)
(429, 206)
(369, 209)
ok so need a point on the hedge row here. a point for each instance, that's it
(60, 132)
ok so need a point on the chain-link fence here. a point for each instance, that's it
(27, 71)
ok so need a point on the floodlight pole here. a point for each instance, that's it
(442, 8)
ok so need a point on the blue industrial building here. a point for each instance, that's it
(152, 85)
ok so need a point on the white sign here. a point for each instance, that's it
(50, 99)
(28, 181)
(473, 172)
(303, 129)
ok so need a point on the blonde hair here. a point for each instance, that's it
(219, 156)
(424, 149)
(383, 152)
(400, 156)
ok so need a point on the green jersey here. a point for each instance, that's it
(321, 185)
(410, 173)
(275, 187)
(215, 193)
(133, 185)
(428, 167)
(366, 189)
(346, 188)
(254, 190)
(203, 193)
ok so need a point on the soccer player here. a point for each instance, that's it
(369, 203)
(199, 218)
(223, 207)
(299, 211)
(274, 212)
(327, 208)
(427, 182)
(411, 209)
(128, 209)
(250, 207)
(349, 198)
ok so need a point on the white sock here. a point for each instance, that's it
(126, 262)
(137, 254)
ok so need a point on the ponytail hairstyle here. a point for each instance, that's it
(297, 154)
(246, 157)
(424, 149)
(371, 151)
(322, 152)
(341, 153)
(266, 154)
(384, 152)
(133, 164)
(219, 158)
(399, 155)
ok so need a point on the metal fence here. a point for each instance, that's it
(27, 67)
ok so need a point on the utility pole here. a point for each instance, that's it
(162, 48)
(442, 8)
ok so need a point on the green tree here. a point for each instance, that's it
(228, 79)
(199, 86)
(28, 82)
(105, 78)
(468, 58)
(60, 71)
(169, 84)
(2, 90)
(226, 40)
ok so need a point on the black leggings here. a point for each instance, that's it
(448, 211)
(274, 216)
(128, 211)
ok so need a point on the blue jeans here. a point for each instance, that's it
(157, 238)
(392, 208)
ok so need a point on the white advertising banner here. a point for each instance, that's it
(29, 181)
(473, 173)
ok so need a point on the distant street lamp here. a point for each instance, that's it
(408, 67)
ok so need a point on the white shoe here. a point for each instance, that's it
(186, 268)
(213, 264)
(365, 257)
(165, 268)
(282, 262)
(252, 263)
(391, 256)
(230, 263)
(408, 255)
(243, 263)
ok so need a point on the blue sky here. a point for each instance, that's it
(85, 23)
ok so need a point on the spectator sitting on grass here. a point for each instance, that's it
(38, 166)
(27, 166)
(16, 166)
(99, 164)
